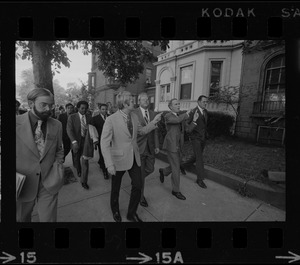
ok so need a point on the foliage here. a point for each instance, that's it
(228, 95)
(87, 94)
(259, 45)
(219, 123)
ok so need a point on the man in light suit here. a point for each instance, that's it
(148, 143)
(76, 129)
(39, 156)
(173, 143)
(98, 122)
(121, 153)
(197, 126)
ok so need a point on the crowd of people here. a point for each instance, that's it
(127, 140)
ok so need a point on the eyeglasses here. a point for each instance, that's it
(44, 105)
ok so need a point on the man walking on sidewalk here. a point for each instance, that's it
(121, 153)
(148, 143)
(173, 142)
(197, 126)
(77, 128)
(98, 122)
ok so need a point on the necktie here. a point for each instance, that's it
(83, 126)
(129, 124)
(39, 138)
(146, 117)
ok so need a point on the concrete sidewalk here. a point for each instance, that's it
(216, 203)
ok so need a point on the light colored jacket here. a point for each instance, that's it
(117, 145)
(30, 164)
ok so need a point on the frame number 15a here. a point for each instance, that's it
(166, 257)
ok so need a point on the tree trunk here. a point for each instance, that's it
(41, 61)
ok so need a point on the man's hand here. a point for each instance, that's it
(75, 147)
(111, 170)
(196, 116)
(156, 151)
(157, 118)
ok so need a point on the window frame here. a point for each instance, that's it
(189, 64)
(211, 61)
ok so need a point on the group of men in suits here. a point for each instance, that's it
(128, 142)
(194, 122)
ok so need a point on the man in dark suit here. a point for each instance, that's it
(148, 143)
(76, 129)
(173, 143)
(197, 127)
(39, 156)
(98, 122)
(63, 118)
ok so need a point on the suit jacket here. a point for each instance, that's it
(63, 118)
(199, 131)
(29, 162)
(151, 138)
(174, 138)
(74, 127)
(98, 122)
(117, 145)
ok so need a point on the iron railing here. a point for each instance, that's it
(268, 107)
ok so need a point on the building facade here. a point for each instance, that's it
(191, 68)
(262, 93)
(106, 89)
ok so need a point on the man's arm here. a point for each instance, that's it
(59, 156)
(70, 129)
(170, 118)
(106, 138)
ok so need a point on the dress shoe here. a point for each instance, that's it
(143, 202)
(178, 195)
(161, 175)
(117, 217)
(85, 186)
(134, 218)
(201, 184)
(182, 171)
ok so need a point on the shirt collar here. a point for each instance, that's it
(80, 115)
(143, 111)
(201, 110)
(174, 113)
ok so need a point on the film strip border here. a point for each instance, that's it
(169, 20)
(169, 243)
(163, 242)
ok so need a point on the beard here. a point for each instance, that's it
(44, 115)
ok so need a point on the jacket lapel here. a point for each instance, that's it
(50, 137)
(123, 124)
(24, 132)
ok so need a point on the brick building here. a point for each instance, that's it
(262, 93)
(106, 89)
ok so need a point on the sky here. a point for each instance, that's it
(80, 65)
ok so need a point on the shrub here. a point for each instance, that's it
(219, 123)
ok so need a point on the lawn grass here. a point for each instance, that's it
(244, 159)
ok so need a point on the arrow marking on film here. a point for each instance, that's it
(8, 257)
(143, 259)
(292, 258)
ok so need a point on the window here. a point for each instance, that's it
(165, 93)
(274, 88)
(93, 81)
(148, 76)
(215, 77)
(186, 82)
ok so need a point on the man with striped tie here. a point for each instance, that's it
(148, 143)
(39, 156)
(76, 130)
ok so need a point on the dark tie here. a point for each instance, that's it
(146, 117)
(205, 115)
(129, 124)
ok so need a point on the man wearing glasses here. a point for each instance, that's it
(39, 156)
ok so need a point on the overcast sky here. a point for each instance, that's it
(80, 65)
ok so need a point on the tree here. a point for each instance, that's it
(119, 59)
